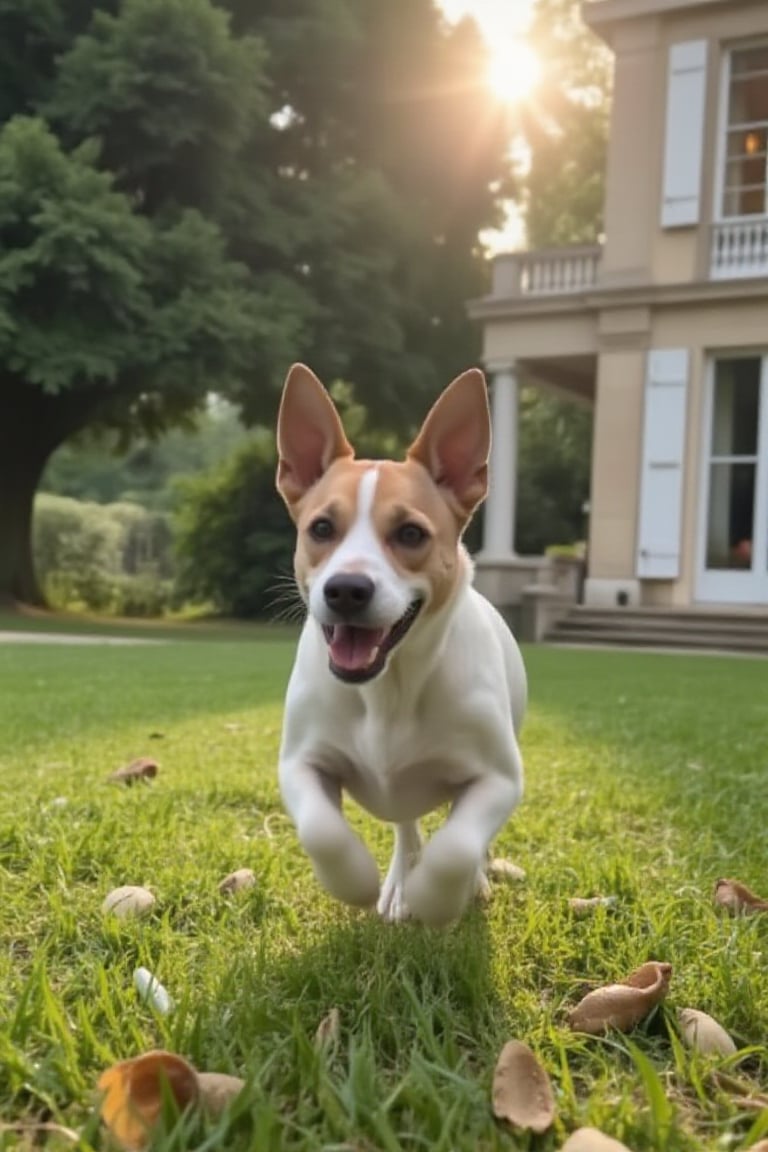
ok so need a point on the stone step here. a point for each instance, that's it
(736, 626)
(661, 637)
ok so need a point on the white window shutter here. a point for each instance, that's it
(661, 475)
(684, 133)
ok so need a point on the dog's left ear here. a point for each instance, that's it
(310, 435)
(455, 441)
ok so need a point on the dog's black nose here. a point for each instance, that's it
(348, 593)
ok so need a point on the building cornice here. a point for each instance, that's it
(626, 296)
(602, 15)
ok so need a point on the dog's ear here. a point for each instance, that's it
(455, 441)
(310, 435)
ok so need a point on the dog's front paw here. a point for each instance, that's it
(345, 867)
(392, 905)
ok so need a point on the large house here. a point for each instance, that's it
(663, 327)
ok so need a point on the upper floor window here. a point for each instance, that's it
(745, 175)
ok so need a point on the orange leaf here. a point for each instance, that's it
(134, 1092)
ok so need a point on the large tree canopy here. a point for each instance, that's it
(192, 195)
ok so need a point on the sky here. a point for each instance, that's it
(497, 18)
(502, 22)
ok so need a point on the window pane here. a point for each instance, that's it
(749, 60)
(747, 144)
(731, 512)
(744, 202)
(736, 407)
(749, 99)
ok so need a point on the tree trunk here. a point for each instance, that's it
(34, 425)
(20, 474)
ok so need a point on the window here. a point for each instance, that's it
(745, 180)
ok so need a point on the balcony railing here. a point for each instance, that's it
(739, 249)
(547, 272)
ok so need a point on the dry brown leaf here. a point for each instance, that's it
(127, 901)
(145, 768)
(583, 905)
(703, 1033)
(134, 1093)
(623, 1005)
(761, 1146)
(218, 1090)
(502, 869)
(735, 897)
(522, 1091)
(237, 881)
(591, 1140)
(328, 1030)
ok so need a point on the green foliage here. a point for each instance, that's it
(113, 558)
(553, 471)
(566, 128)
(93, 467)
(194, 194)
(233, 537)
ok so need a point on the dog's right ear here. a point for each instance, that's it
(310, 435)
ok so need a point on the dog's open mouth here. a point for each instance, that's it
(358, 654)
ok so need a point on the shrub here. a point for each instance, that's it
(112, 558)
(233, 536)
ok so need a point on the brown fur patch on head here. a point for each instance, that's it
(406, 494)
(334, 496)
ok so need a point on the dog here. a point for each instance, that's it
(408, 690)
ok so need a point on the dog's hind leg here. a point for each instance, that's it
(392, 905)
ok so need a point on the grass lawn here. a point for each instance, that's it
(646, 778)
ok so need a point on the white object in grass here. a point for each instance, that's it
(152, 991)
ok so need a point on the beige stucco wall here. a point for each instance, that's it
(638, 249)
(706, 329)
(568, 332)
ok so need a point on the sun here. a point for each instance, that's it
(513, 70)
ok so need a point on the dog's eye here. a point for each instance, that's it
(410, 535)
(321, 529)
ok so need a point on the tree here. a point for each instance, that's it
(565, 129)
(189, 200)
(119, 301)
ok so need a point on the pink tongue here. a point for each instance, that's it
(352, 648)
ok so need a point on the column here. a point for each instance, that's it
(499, 521)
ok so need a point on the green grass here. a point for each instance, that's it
(646, 778)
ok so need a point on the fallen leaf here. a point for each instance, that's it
(623, 1005)
(522, 1091)
(583, 905)
(702, 1033)
(142, 769)
(128, 901)
(505, 870)
(736, 897)
(237, 881)
(218, 1090)
(328, 1030)
(590, 1140)
(152, 991)
(135, 1091)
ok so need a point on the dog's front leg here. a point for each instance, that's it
(340, 860)
(450, 871)
(392, 905)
